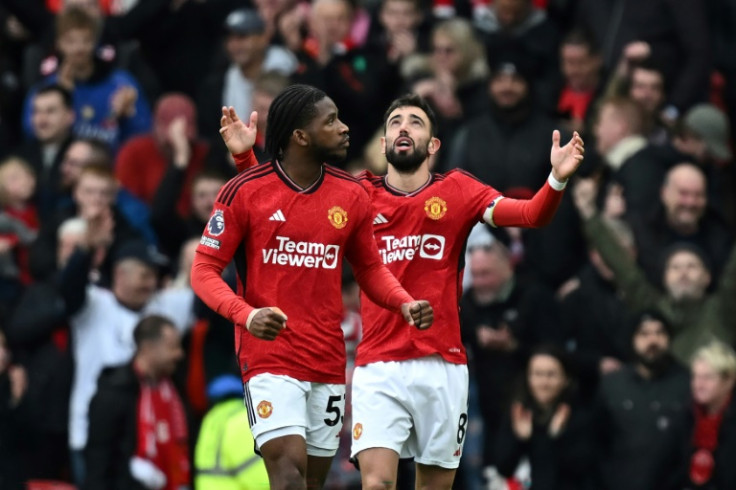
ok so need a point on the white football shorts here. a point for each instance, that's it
(418, 408)
(279, 406)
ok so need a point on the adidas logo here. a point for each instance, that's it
(380, 220)
(277, 216)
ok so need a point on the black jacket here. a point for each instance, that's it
(113, 430)
(638, 421)
(565, 462)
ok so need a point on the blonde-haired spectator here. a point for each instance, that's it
(710, 450)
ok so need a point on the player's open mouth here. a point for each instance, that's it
(345, 143)
(403, 143)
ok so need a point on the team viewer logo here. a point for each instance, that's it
(264, 409)
(435, 207)
(338, 217)
(216, 225)
(357, 431)
(432, 247)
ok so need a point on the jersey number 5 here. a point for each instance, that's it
(331, 408)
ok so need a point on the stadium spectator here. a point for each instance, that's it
(138, 435)
(695, 316)
(52, 119)
(641, 410)
(683, 214)
(500, 328)
(224, 456)
(249, 55)
(174, 142)
(108, 103)
(103, 320)
(38, 332)
(548, 426)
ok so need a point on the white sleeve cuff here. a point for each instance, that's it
(488, 214)
(556, 184)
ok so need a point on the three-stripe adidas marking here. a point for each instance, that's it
(277, 216)
(380, 220)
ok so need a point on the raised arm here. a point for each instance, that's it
(239, 137)
(539, 210)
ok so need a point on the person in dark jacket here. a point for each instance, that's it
(549, 426)
(641, 411)
(502, 318)
(710, 437)
(137, 423)
(38, 332)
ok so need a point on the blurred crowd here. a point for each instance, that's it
(600, 347)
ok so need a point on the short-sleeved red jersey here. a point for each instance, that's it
(420, 237)
(288, 244)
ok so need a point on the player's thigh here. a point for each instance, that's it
(285, 457)
(379, 411)
(378, 468)
(276, 406)
(440, 413)
(317, 470)
(429, 477)
(325, 414)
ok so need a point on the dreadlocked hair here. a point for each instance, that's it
(292, 109)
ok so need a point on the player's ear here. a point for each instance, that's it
(383, 145)
(434, 146)
(300, 137)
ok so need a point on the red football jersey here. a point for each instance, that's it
(288, 244)
(420, 237)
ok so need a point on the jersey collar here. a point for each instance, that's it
(293, 185)
(399, 192)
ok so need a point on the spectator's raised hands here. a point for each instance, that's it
(584, 194)
(238, 136)
(123, 102)
(566, 159)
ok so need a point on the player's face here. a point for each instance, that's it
(707, 384)
(546, 379)
(328, 135)
(408, 141)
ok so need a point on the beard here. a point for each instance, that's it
(331, 156)
(655, 360)
(406, 162)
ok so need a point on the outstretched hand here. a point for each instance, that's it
(418, 313)
(237, 135)
(566, 159)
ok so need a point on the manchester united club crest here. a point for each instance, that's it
(338, 217)
(357, 431)
(264, 409)
(435, 207)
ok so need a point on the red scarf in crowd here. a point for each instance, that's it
(705, 441)
(162, 432)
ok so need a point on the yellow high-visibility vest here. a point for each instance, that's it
(224, 458)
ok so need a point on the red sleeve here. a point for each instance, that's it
(245, 160)
(528, 213)
(372, 276)
(208, 284)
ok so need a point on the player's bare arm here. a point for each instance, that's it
(566, 159)
(418, 313)
(238, 136)
(267, 323)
